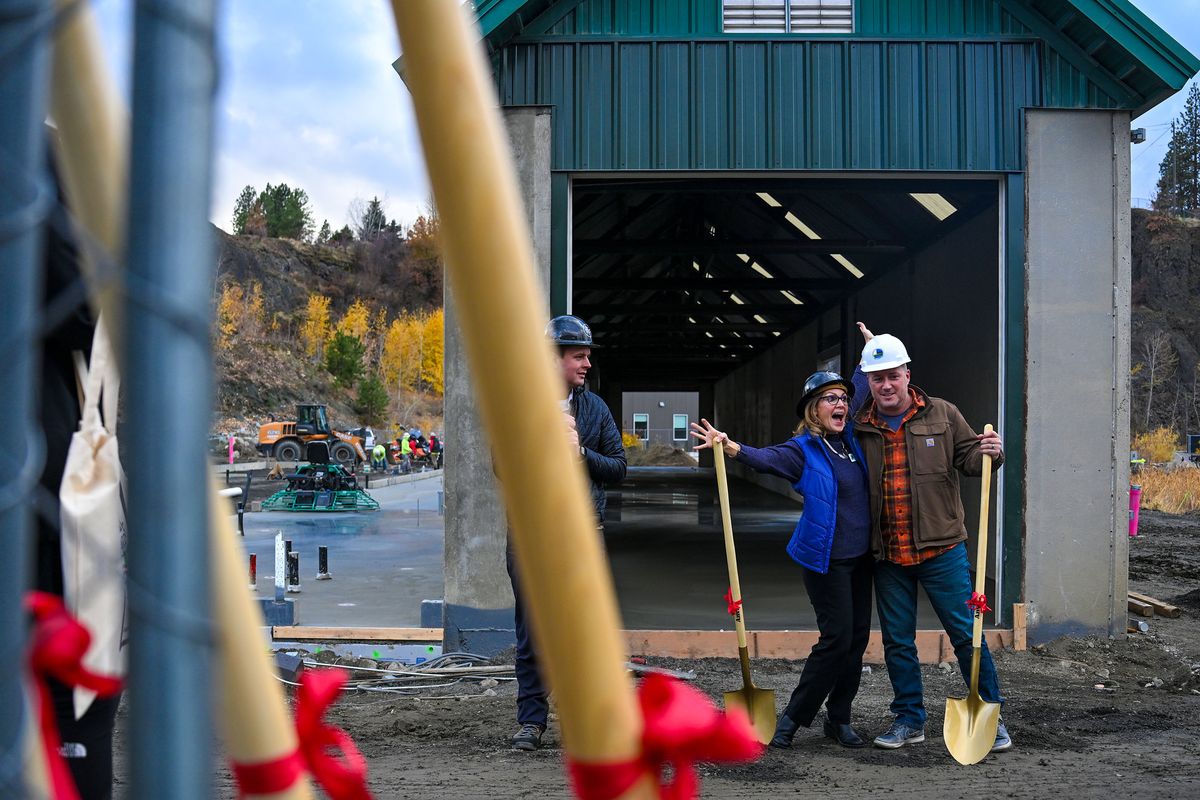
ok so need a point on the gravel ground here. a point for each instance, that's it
(1136, 734)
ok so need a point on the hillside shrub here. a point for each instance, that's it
(1157, 446)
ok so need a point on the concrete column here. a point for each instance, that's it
(1077, 372)
(478, 608)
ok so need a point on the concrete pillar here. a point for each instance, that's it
(478, 609)
(1077, 372)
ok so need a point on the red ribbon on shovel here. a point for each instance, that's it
(978, 603)
(734, 607)
(58, 645)
(681, 727)
(325, 750)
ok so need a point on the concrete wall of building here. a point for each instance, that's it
(478, 605)
(660, 408)
(1077, 368)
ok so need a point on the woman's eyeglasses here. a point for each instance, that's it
(834, 399)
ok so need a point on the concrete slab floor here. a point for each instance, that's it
(664, 540)
(663, 536)
(383, 563)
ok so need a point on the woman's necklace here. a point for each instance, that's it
(843, 454)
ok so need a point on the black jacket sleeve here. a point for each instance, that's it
(606, 463)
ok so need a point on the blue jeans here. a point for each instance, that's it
(947, 581)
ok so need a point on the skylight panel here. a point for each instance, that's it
(847, 263)
(807, 231)
(935, 204)
(769, 200)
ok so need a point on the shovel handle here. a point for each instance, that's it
(735, 588)
(981, 547)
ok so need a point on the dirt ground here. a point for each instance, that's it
(1089, 717)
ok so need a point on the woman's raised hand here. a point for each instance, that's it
(707, 434)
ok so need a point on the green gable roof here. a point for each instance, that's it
(1126, 56)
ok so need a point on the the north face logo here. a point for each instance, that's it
(878, 353)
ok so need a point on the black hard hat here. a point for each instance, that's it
(818, 381)
(569, 331)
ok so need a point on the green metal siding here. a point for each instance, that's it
(1067, 87)
(631, 18)
(924, 18)
(779, 104)
(930, 18)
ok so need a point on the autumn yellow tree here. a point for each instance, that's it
(240, 313)
(400, 352)
(255, 315)
(379, 329)
(315, 330)
(229, 313)
(432, 351)
(356, 321)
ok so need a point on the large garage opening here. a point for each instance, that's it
(737, 289)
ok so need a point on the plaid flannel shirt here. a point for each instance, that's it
(896, 522)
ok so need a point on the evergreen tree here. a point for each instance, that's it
(372, 401)
(372, 221)
(324, 234)
(287, 212)
(241, 209)
(344, 236)
(1179, 171)
(344, 359)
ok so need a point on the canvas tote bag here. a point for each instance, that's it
(92, 515)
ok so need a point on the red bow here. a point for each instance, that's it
(734, 606)
(978, 603)
(58, 645)
(681, 727)
(342, 773)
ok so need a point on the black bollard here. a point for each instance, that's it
(323, 564)
(293, 573)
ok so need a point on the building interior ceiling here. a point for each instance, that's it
(695, 277)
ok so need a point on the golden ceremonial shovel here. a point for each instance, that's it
(970, 725)
(759, 704)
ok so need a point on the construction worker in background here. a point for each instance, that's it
(915, 446)
(405, 452)
(379, 457)
(590, 428)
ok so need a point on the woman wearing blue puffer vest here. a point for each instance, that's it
(831, 543)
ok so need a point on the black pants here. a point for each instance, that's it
(87, 742)
(842, 600)
(532, 706)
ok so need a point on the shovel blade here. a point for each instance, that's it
(759, 705)
(970, 727)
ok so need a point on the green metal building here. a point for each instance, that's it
(722, 187)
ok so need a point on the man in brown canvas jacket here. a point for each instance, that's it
(915, 447)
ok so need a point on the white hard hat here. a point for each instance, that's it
(884, 352)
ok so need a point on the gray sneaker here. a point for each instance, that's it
(899, 735)
(1003, 740)
(528, 738)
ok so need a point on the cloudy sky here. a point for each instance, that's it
(309, 98)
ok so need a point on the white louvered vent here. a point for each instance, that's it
(782, 16)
